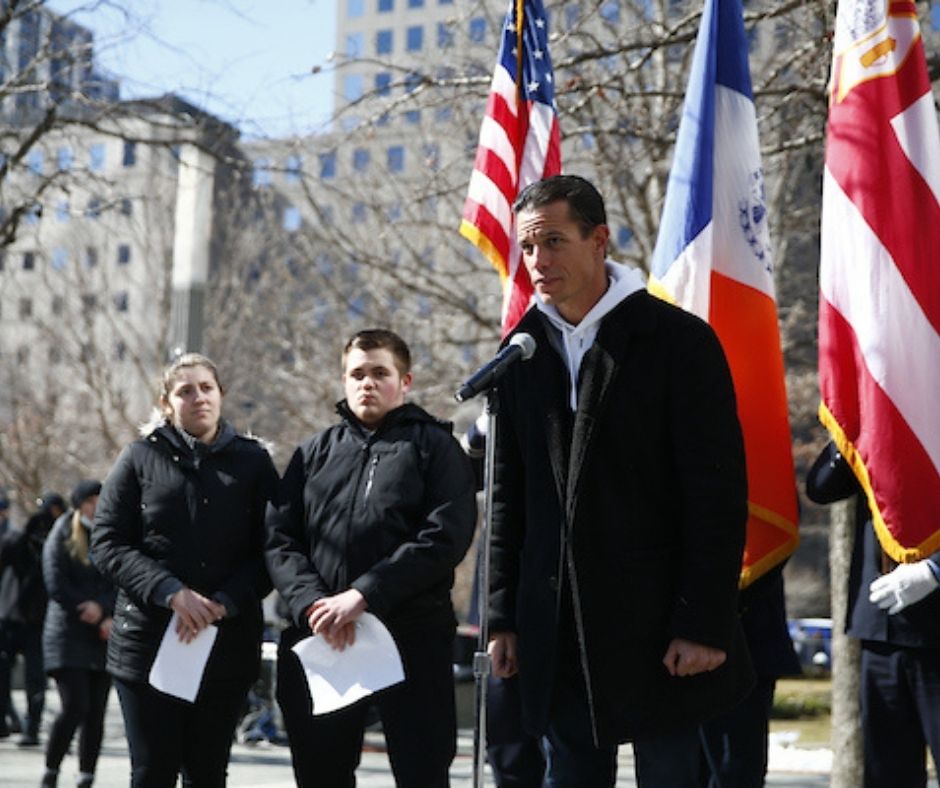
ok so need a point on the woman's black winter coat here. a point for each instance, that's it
(67, 641)
(165, 513)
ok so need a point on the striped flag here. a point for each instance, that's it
(713, 258)
(519, 144)
(879, 306)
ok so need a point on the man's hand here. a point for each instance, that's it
(334, 617)
(685, 658)
(195, 612)
(90, 612)
(502, 651)
(903, 586)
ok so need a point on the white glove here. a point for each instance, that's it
(905, 585)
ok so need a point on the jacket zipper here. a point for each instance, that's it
(375, 461)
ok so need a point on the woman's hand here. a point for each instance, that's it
(104, 628)
(195, 612)
(90, 612)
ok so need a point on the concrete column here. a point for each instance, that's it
(191, 247)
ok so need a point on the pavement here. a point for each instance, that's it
(268, 765)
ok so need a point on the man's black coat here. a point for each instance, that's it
(635, 507)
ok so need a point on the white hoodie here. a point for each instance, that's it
(577, 340)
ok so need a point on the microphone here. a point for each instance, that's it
(520, 347)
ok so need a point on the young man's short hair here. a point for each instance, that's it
(380, 339)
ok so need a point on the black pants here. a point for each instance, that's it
(418, 717)
(514, 755)
(84, 696)
(167, 736)
(900, 700)
(735, 743)
(26, 639)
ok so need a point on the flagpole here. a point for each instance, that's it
(482, 663)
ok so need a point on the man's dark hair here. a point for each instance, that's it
(584, 201)
(380, 339)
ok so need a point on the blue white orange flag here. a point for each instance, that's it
(879, 306)
(519, 144)
(713, 257)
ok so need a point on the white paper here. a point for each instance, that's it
(340, 678)
(179, 666)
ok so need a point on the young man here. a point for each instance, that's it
(619, 510)
(374, 514)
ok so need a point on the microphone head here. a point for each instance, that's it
(526, 343)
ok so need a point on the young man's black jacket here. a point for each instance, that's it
(389, 513)
(166, 518)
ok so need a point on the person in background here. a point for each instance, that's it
(735, 742)
(23, 607)
(9, 719)
(179, 529)
(374, 514)
(78, 622)
(619, 510)
(894, 610)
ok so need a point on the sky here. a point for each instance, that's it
(262, 65)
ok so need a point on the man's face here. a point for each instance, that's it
(567, 270)
(373, 384)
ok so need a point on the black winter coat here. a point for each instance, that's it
(68, 642)
(389, 513)
(630, 512)
(166, 514)
(22, 592)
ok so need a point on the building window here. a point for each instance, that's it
(29, 261)
(610, 11)
(416, 3)
(124, 254)
(354, 45)
(89, 301)
(121, 300)
(261, 174)
(355, 8)
(360, 159)
(34, 161)
(386, 6)
(33, 213)
(624, 236)
(127, 206)
(352, 87)
(432, 155)
(91, 257)
(64, 159)
(445, 35)
(55, 354)
(414, 38)
(477, 30)
(22, 355)
(129, 157)
(445, 2)
(328, 165)
(25, 308)
(383, 83)
(93, 210)
(60, 258)
(290, 220)
(572, 14)
(358, 213)
(396, 158)
(62, 213)
(96, 157)
(383, 42)
(293, 169)
(58, 304)
(120, 350)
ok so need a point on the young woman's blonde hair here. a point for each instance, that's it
(77, 542)
(171, 373)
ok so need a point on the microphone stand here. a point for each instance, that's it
(481, 659)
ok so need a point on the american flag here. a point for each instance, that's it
(519, 144)
(879, 277)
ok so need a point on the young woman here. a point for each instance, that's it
(78, 621)
(180, 529)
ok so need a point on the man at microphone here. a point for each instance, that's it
(620, 503)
